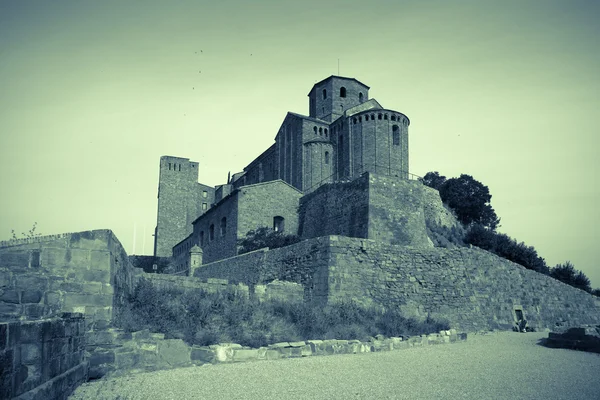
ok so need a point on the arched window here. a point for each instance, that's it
(315, 129)
(396, 135)
(354, 121)
(201, 238)
(367, 117)
(324, 94)
(359, 119)
(204, 194)
(360, 97)
(169, 166)
(223, 226)
(326, 157)
(342, 92)
(321, 131)
(372, 117)
(325, 132)
(278, 224)
(393, 117)
(385, 116)
(379, 116)
(211, 232)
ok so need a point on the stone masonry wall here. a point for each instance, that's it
(396, 214)
(42, 360)
(336, 209)
(472, 288)
(435, 211)
(68, 273)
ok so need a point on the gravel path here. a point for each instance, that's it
(505, 365)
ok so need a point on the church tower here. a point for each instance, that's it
(329, 98)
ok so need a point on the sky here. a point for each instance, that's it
(92, 93)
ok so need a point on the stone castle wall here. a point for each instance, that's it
(42, 360)
(65, 273)
(336, 209)
(470, 287)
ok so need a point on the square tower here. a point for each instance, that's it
(329, 98)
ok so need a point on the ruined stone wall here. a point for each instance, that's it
(70, 273)
(472, 288)
(44, 359)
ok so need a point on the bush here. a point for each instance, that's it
(204, 318)
(442, 236)
(265, 237)
(506, 247)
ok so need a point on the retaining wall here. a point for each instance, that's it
(42, 359)
(470, 287)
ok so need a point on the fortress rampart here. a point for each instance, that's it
(472, 288)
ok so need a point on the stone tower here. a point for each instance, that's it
(329, 98)
(181, 199)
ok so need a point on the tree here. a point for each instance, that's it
(568, 274)
(433, 179)
(506, 247)
(470, 200)
(265, 237)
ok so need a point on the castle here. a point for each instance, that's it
(345, 135)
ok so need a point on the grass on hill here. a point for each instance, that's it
(204, 318)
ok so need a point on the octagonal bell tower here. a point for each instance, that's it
(329, 98)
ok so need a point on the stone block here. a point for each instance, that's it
(53, 257)
(9, 310)
(272, 355)
(202, 355)
(91, 287)
(100, 338)
(11, 296)
(125, 359)
(14, 334)
(241, 355)
(143, 334)
(31, 296)
(297, 344)
(67, 286)
(174, 352)
(95, 300)
(31, 332)
(31, 353)
(223, 353)
(100, 260)
(102, 357)
(3, 336)
(35, 311)
(77, 258)
(93, 275)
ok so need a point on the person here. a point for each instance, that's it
(522, 325)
